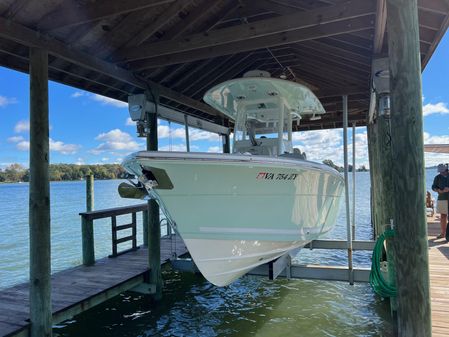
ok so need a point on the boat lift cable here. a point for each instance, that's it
(280, 64)
(376, 279)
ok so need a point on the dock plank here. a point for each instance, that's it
(439, 274)
(78, 285)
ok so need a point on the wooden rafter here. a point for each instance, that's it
(379, 30)
(195, 16)
(72, 14)
(322, 22)
(31, 38)
(279, 39)
(439, 36)
(321, 47)
(145, 33)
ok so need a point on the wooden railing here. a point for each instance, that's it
(87, 229)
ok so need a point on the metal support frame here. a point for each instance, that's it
(186, 125)
(348, 218)
(353, 181)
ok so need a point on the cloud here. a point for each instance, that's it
(56, 146)
(196, 134)
(15, 139)
(178, 148)
(4, 101)
(108, 101)
(438, 108)
(163, 131)
(328, 144)
(77, 94)
(130, 122)
(429, 139)
(432, 159)
(22, 126)
(23, 145)
(101, 99)
(174, 147)
(63, 148)
(214, 149)
(115, 140)
(104, 159)
(80, 161)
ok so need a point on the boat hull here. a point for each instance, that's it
(235, 212)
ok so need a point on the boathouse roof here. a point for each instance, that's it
(180, 48)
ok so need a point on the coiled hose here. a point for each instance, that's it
(378, 283)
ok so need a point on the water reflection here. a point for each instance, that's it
(249, 307)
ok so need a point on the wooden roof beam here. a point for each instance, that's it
(436, 40)
(197, 15)
(379, 30)
(284, 29)
(23, 35)
(349, 55)
(171, 12)
(434, 6)
(306, 34)
(71, 14)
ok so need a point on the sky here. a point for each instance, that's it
(86, 128)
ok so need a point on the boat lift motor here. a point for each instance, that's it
(139, 106)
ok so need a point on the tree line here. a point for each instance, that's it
(61, 172)
(330, 163)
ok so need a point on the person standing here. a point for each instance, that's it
(441, 186)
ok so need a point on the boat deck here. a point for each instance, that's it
(80, 288)
(439, 276)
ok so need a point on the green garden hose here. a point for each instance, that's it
(378, 283)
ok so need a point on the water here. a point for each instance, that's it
(191, 306)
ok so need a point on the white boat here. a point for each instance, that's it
(237, 211)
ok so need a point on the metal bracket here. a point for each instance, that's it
(276, 267)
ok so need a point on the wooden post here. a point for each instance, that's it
(87, 235)
(410, 244)
(154, 228)
(39, 198)
(89, 192)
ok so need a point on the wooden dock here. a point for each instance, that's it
(439, 276)
(80, 288)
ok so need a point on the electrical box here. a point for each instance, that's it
(381, 75)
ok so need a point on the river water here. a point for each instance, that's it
(191, 306)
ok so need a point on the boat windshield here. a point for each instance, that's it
(264, 111)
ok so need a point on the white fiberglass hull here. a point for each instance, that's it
(236, 212)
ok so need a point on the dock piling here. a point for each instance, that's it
(154, 229)
(410, 247)
(89, 192)
(39, 198)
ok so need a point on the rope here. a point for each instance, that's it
(376, 279)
